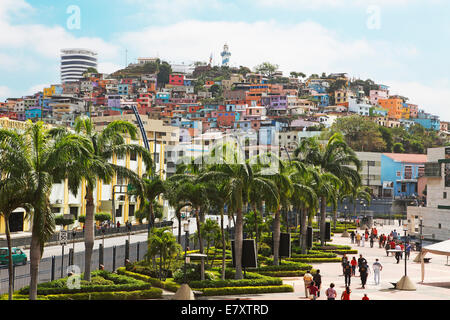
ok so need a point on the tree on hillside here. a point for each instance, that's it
(267, 69)
(361, 134)
(163, 74)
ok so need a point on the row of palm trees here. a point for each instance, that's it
(32, 160)
(319, 175)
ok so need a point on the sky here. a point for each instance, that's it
(404, 44)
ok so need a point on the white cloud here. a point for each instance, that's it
(5, 93)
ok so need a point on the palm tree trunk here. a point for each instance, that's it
(89, 233)
(223, 243)
(238, 243)
(276, 238)
(323, 214)
(256, 226)
(10, 261)
(179, 227)
(200, 241)
(304, 230)
(35, 257)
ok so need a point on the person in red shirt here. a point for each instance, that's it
(353, 263)
(346, 294)
(365, 297)
(313, 290)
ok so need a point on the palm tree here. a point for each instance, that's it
(232, 170)
(210, 232)
(14, 193)
(162, 243)
(43, 157)
(106, 143)
(305, 181)
(335, 157)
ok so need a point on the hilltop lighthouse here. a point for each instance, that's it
(225, 56)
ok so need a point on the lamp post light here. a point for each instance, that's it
(345, 233)
(405, 282)
(186, 232)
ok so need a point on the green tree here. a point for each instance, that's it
(398, 148)
(267, 69)
(335, 157)
(162, 243)
(43, 157)
(164, 71)
(105, 144)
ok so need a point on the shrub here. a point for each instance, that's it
(82, 219)
(60, 220)
(266, 281)
(246, 290)
(102, 216)
(192, 273)
(168, 284)
(152, 293)
(109, 282)
(265, 250)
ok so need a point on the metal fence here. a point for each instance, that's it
(55, 267)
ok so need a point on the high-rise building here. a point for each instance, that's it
(74, 62)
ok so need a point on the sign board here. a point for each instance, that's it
(63, 237)
(447, 153)
(249, 257)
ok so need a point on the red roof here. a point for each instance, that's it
(407, 157)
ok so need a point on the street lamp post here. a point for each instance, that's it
(186, 240)
(345, 233)
(405, 282)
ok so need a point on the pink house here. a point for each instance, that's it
(376, 95)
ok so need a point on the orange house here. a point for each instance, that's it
(394, 107)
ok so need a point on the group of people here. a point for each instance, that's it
(349, 269)
(361, 238)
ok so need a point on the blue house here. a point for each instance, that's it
(400, 173)
(429, 123)
(33, 113)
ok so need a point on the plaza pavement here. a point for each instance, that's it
(436, 284)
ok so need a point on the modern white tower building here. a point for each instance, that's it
(74, 62)
(225, 56)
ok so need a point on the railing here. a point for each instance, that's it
(55, 267)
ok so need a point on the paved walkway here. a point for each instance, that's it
(436, 285)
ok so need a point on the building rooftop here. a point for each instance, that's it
(407, 157)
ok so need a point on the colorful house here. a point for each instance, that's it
(400, 173)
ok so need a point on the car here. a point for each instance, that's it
(18, 256)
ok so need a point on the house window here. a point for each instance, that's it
(403, 187)
(133, 155)
(444, 195)
(131, 210)
(74, 211)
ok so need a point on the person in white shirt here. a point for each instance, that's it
(377, 267)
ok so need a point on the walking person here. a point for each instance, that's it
(331, 292)
(372, 236)
(346, 294)
(313, 291)
(347, 274)
(362, 241)
(365, 297)
(353, 263)
(352, 236)
(377, 267)
(307, 279)
(364, 272)
(358, 238)
(344, 260)
(380, 241)
(317, 278)
(408, 250)
(397, 253)
(361, 261)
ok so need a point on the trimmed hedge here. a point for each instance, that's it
(167, 285)
(246, 290)
(314, 259)
(282, 273)
(266, 281)
(121, 283)
(152, 293)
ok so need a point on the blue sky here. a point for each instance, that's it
(401, 43)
